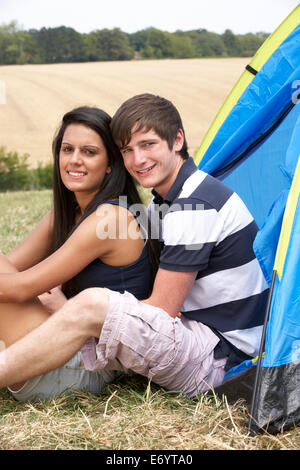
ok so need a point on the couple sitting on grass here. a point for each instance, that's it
(173, 293)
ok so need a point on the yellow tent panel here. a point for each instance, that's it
(259, 59)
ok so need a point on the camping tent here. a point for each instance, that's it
(253, 146)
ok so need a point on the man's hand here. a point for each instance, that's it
(53, 300)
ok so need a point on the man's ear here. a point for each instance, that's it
(179, 140)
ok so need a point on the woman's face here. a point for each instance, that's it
(83, 160)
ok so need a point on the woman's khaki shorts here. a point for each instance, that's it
(67, 378)
(176, 353)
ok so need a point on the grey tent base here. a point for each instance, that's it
(239, 387)
(278, 403)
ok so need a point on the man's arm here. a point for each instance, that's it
(170, 290)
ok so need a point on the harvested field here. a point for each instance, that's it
(38, 95)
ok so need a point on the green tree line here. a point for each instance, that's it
(16, 174)
(64, 44)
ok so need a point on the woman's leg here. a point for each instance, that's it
(57, 340)
(16, 320)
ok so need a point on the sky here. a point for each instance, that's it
(241, 16)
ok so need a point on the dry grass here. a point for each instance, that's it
(132, 415)
(129, 414)
(38, 95)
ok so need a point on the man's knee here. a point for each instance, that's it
(87, 310)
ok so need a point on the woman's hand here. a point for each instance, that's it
(53, 300)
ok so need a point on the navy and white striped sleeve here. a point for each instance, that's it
(190, 231)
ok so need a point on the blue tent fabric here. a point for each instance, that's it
(240, 368)
(292, 153)
(276, 76)
(277, 405)
(284, 319)
(255, 152)
(264, 166)
(258, 109)
(265, 243)
(278, 400)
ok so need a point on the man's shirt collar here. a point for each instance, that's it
(186, 170)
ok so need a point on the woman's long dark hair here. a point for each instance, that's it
(115, 184)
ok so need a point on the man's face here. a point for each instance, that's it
(148, 158)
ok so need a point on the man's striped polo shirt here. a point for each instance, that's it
(206, 228)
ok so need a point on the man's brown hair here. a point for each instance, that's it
(148, 112)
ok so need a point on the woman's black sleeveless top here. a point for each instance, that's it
(134, 278)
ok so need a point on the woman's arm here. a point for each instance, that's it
(78, 251)
(35, 247)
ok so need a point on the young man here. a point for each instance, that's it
(207, 271)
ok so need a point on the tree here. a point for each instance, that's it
(182, 46)
(207, 44)
(5, 42)
(139, 39)
(62, 44)
(108, 44)
(59, 45)
(91, 47)
(16, 45)
(160, 43)
(232, 44)
(250, 43)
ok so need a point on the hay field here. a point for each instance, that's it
(38, 95)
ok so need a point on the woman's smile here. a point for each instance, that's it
(76, 174)
(83, 161)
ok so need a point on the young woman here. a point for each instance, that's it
(87, 240)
